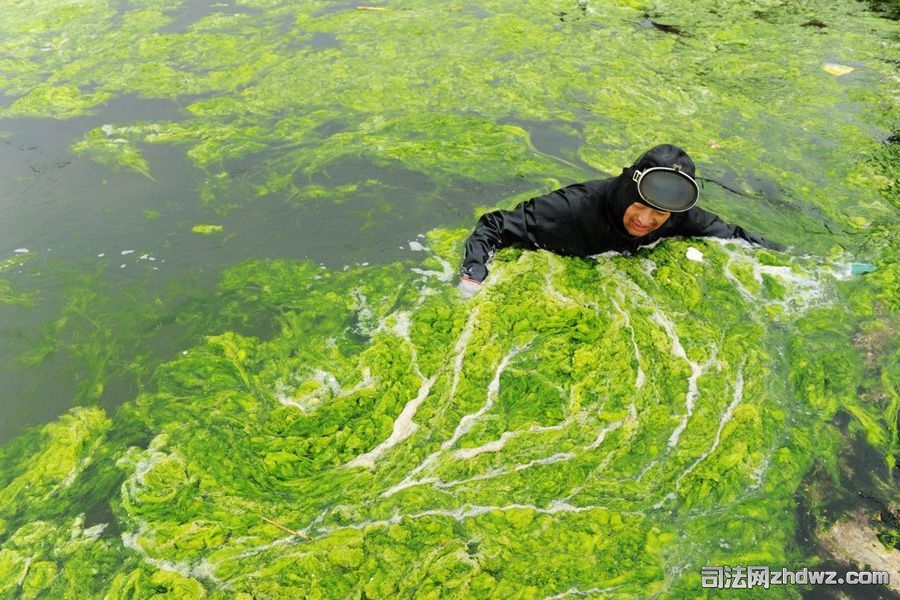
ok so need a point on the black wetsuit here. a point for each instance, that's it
(582, 220)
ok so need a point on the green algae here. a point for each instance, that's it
(300, 91)
(580, 428)
(582, 415)
(117, 152)
(8, 295)
(207, 229)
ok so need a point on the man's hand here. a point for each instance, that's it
(468, 287)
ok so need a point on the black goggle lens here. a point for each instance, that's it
(667, 189)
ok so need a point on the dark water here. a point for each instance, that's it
(132, 234)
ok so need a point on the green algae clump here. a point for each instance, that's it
(583, 427)
(579, 414)
(205, 229)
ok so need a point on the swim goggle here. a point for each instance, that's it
(667, 188)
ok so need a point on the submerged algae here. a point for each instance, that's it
(7, 294)
(590, 417)
(423, 87)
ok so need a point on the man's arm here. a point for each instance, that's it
(543, 222)
(494, 230)
(702, 223)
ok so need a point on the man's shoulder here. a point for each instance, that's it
(692, 217)
(589, 191)
(575, 202)
(598, 185)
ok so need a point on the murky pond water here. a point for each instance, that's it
(234, 363)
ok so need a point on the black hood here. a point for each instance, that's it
(665, 155)
(625, 193)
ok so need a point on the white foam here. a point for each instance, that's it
(76, 470)
(459, 351)
(402, 325)
(328, 387)
(736, 399)
(365, 317)
(602, 435)
(803, 290)
(93, 533)
(462, 513)
(641, 378)
(690, 397)
(494, 473)
(404, 426)
(493, 446)
(666, 323)
(468, 421)
(761, 470)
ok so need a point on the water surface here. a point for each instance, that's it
(234, 363)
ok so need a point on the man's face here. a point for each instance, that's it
(640, 219)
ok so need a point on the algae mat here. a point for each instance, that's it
(582, 428)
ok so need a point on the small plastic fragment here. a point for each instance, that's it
(861, 268)
(694, 254)
(836, 69)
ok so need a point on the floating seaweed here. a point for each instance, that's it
(581, 428)
(622, 421)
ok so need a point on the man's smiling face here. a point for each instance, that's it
(641, 220)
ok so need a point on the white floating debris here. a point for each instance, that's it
(122, 266)
(124, 252)
(93, 533)
(21, 250)
(151, 258)
(144, 256)
(694, 254)
(101, 255)
(417, 247)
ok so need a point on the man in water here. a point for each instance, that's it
(652, 199)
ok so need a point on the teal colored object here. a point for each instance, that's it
(861, 268)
